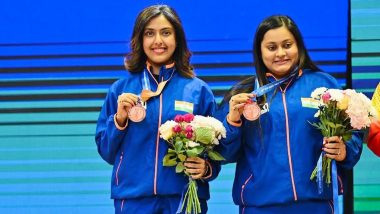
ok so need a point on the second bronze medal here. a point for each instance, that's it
(251, 111)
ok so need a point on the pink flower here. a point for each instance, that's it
(189, 128)
(178, 118)
(177, 128)
(358, 111)
(188, 118)
(360, 121)
(326, 97)
(189, 135)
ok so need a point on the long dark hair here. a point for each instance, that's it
(272, 22)
(136, 59)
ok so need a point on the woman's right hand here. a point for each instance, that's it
(195, 167)
(237, 103)
(125, 101)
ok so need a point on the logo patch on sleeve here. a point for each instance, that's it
(265, 108)
(184, 106)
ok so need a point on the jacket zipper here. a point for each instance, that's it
(341, 184)
(242, 190)
(157, 146)
(118, 168)
(288, 146)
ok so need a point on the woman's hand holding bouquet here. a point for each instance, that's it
(191, 139)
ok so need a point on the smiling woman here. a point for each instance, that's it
(127, 130)
(273, 162)
(58, 60)
(159, 42)
(279, 50)
(159, 39)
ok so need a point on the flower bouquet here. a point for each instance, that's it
(340, 113)
(191, 136)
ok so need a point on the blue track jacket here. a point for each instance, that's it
(276, 154)
(136, 153)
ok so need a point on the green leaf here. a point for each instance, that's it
(182, 157)
(213, 155)
(338, 126)
(178, 138)
(204, 135)
(347, 136)
(199, 149)
(330, 124)
(318, 126)
(194, 152)
(191, 153)
(179, 168)
(170, 159)
(178, 146)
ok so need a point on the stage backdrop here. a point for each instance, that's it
(365, 27)
(58, 58)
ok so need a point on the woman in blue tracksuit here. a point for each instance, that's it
(277, 153)
(158, 62)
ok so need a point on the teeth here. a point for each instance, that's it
(159, 50)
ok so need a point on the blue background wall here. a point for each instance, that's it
(58, 58)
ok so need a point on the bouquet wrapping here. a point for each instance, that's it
(191, 136)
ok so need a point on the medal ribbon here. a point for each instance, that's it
(146, 93)
(335, 186)
(334, 180)
(320, 173)
(268, 87)
(145, 82)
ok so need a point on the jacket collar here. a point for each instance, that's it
(272, 78)
(286, 84)
(166, 71)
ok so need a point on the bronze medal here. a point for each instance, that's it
(137, 113)
(251, 111)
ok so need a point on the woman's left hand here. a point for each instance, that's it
(195, 167)
(335, 148)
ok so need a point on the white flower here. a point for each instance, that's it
(317, 93)
(349, 92)
(192, 144)
(166, 129)
(215, 141)
(317, 113)
(216, 125)
(336, 94)
(358, 110)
